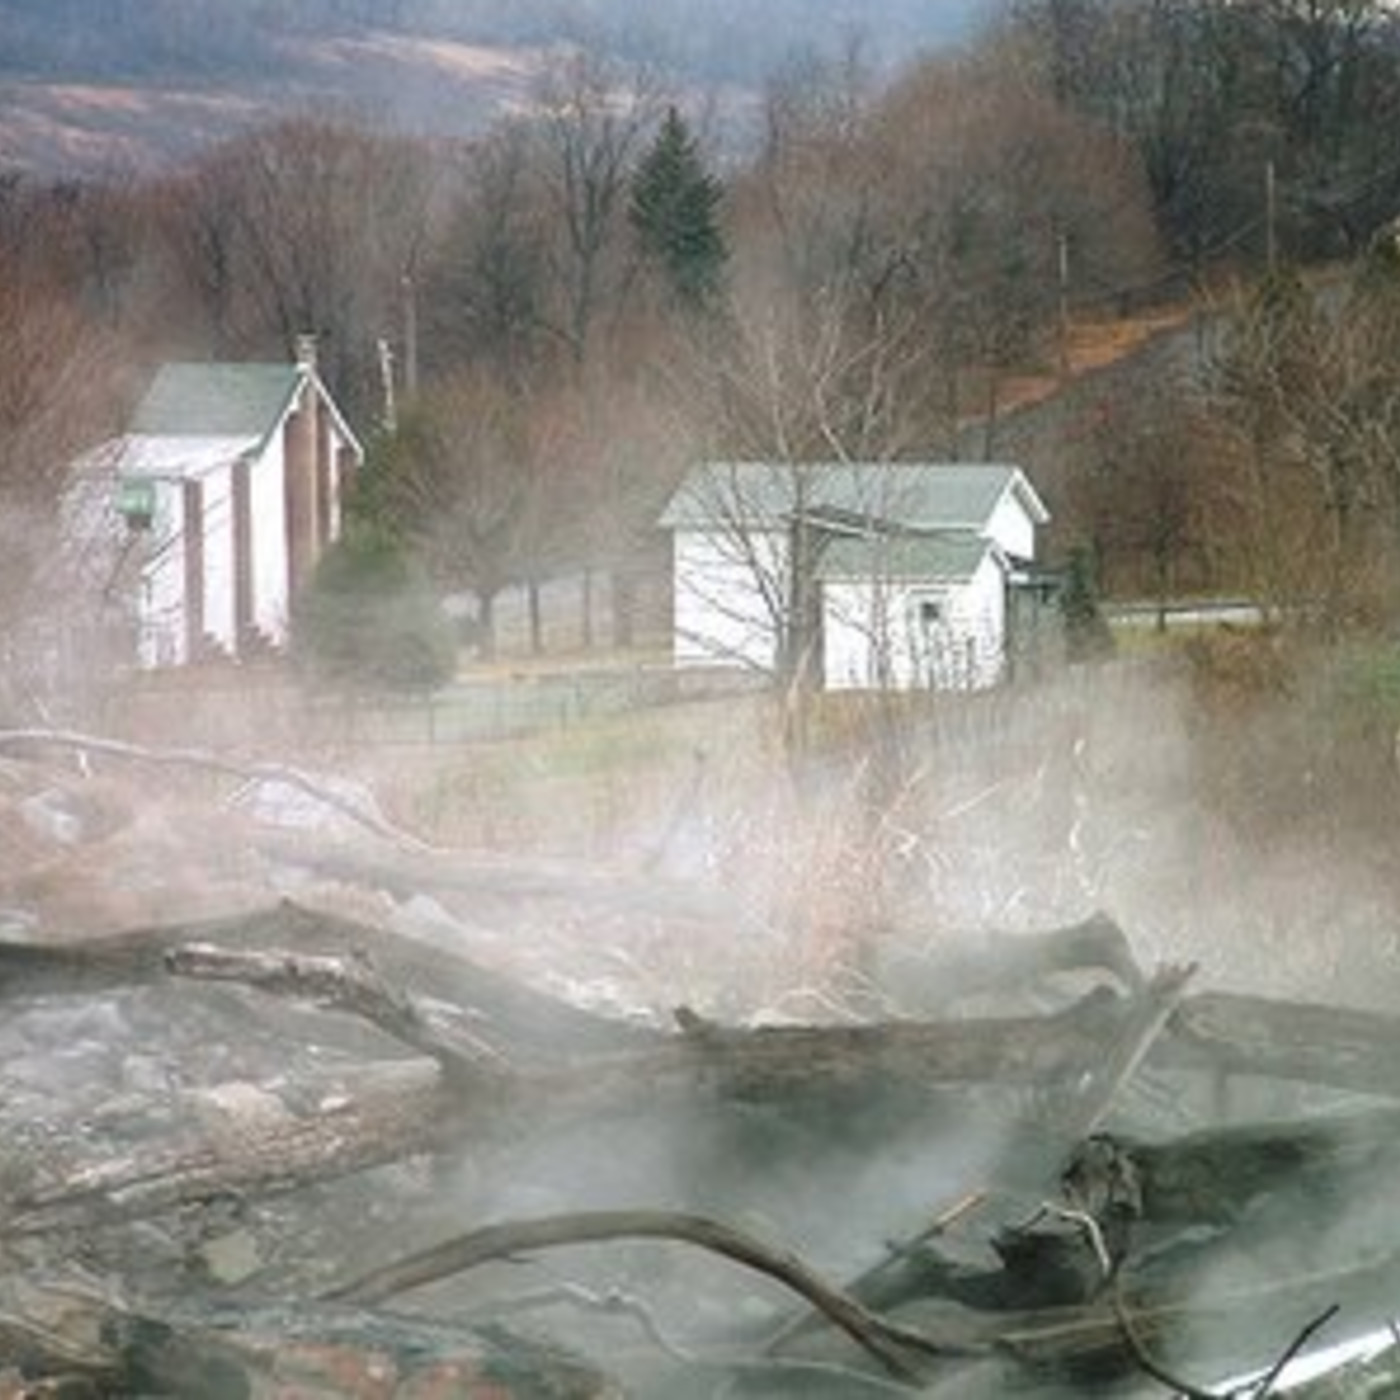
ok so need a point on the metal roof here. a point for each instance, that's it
(914, 495)
(947, 557)
(211, 400)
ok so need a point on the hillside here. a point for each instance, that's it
(103, 86)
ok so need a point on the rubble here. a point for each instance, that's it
(294, 1148)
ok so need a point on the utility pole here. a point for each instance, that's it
(1063, 261)
(386, 382)
(410, 336)
(1270, 218)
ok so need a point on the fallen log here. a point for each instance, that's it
(73, 1339)
(396, 1112)
(500, 1007)
(1337, 1047)
(838, 1081)
(851, 1085)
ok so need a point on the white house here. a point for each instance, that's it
(914, 573)
(221, 497)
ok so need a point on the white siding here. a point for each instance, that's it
(218, 557)
(903, 636)
(268, 508)
(1010, 527)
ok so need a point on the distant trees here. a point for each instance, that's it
(1142, 493)
(593, 120)
(1213, 95)
(305, 226)
(61, 376)
(463, 481)
(1307, 408)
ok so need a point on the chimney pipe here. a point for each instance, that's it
(305, 351)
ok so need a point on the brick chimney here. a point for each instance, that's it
(301, 448)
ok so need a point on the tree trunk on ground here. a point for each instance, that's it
(1104, 1280)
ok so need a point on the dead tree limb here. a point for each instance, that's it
(349, 984)
(1339, 1047)
(394, 1114)
(938, 969)
(1147, 1017)
(886, 1341)
(203, 759)
(80, 1340)
(1219, 1325)
(504, 1010)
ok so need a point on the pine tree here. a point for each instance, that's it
(674, 212)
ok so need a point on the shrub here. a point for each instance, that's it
(368, 617)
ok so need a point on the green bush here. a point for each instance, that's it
(368, 618)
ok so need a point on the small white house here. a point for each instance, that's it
(219, 501)
(908, 573)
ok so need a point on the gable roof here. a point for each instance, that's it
(198, 415)
(850, 495)
(216, 400)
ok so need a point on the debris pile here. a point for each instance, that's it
(292, 1148)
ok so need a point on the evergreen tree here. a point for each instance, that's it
(370, 618)
(1087, 633)
(674, 212)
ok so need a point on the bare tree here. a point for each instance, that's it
(59, 386)
(306, 226)
(593, 120)
(487, 278)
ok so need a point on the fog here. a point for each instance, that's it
(679, 856)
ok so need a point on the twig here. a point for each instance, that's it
(1146, 1363)
(613, 1302)
(1297, 1344)
(884, 1340)
(1159, 1373)
(895, 1251)
(1150, 1012)
(1088, 1224)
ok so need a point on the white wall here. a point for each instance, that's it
(218, 557)
(1011, 528)
(877, 635)
(268, 507)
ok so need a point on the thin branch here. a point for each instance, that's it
(1159, 1373)
(1144, 1359)
(1147, 1019)
(614, 1303)
(886, 1341)
(895, 1251)
(1297, 1344)
(214, 763)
